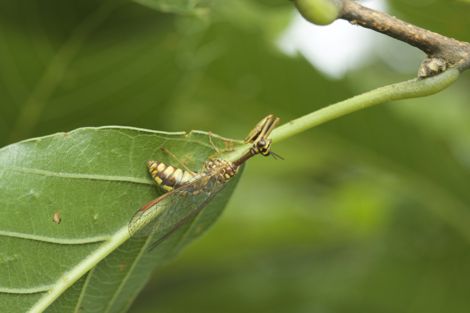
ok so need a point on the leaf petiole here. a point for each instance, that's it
(403, 90)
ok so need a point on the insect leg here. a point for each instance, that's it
(165, 150)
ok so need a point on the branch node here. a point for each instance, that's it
(432, 66)
(442, 52)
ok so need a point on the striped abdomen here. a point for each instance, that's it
(223, 170)
(168, 177)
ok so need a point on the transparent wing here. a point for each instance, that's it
(164, 215)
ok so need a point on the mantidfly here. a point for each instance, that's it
(189, 192)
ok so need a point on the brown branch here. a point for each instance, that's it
(442, 51)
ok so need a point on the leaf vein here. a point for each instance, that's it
(64, 241)
(39, 289)
(127, 179)
(82, 292)
(126, 278)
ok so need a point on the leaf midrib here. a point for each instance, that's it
(55, 240)
(85, 176)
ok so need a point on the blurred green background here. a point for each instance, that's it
(369, 213)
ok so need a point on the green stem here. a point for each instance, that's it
(403, 90)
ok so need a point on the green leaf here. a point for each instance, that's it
(65, 67)
(437, 16)
(117, 52)
(95, 179)
(174, 6)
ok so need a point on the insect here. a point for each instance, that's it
(189, 192)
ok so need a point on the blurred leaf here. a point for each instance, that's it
(269, 19)
(96, 64)
(106, 63)
(94, 178)
(449, 18)
(176, 6)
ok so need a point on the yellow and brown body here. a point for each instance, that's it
(167, 176)
(223, 169)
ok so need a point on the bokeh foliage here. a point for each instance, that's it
(367, 213)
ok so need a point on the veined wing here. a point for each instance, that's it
(164, 215)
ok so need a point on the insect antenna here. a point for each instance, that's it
(276, 156)
(165, 150)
